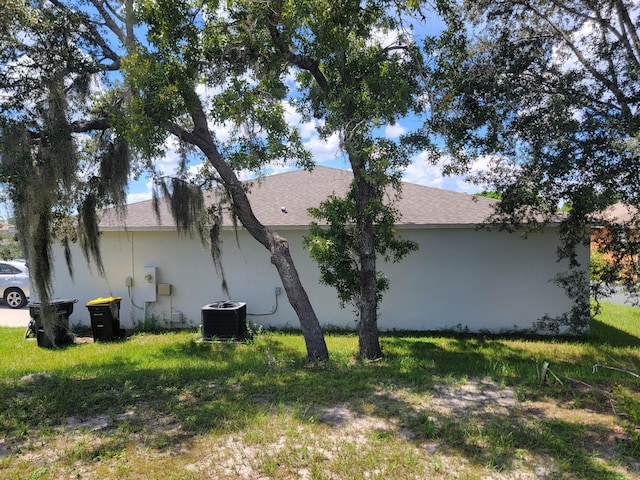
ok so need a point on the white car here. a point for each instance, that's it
(14, 283)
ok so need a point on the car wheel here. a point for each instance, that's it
(15, 298)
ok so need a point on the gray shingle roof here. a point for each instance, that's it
(299, 190)
(618, 213)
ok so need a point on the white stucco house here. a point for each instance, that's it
(461, 277)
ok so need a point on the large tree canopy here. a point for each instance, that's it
(549, 92)
(358, 70)
(108, 82)
(92, 90)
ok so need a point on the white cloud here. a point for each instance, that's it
(290, 79)
(294, 119)
(222, 132)
(142, 191)
(324, 150)
(424, 172)
(168, 163)
(138, 197)
(385, 38)
(321, 149)
(394, 131)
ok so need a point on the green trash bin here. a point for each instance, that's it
(105, 319)
(62, 309)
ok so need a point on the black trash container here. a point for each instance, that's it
(224, 320)
(62, 309)
(105, 319)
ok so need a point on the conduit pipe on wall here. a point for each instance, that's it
(275, 308)
(132, 303)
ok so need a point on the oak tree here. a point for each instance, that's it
(358, 69)
(92, 90)
(549, 92)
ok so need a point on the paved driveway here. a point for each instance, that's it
(620, 297)
(10, 317)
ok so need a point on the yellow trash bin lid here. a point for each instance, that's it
(103, 300)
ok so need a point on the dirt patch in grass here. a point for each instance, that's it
(478, 429)
(474, 398)
(4, 451)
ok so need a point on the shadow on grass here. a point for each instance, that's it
(226, 387)
(604, 334)
(462, 358)
(497, 441)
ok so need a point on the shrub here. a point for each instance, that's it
(598, 265)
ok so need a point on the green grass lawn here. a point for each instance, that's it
(168, 406)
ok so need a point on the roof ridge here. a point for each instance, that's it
(282, 200)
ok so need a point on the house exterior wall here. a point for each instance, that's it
(459, 278)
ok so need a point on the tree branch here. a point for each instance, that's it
(615, 369)
(110, 22)
(114, 12)
(95, 37)
(303, 62)
(183, 134)
(626, 24)
(628, 27)
(83, 126)
(80, 126)
(606, 82)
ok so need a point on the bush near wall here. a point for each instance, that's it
(608, 264)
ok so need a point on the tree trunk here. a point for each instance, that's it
(369, 342)
(277, 246)
(368, 333)
(297, 296)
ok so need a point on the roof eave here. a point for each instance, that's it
(400, 226)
